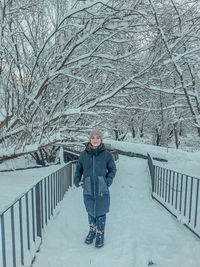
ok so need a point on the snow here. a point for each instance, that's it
(2, 115)
(177, 160)
(15, 183)
(138, 230)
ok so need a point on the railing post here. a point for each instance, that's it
(45, 199)
(152, 171)
(38, 209)
(27, 222)
(196, 208)
(21, 231)
(3, 242)
(33, 213)
(190, 206)
(72, 177)
(13, 235)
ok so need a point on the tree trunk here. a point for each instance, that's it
(176, 135)
(133, 132)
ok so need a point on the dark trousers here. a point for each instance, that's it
(97, 223)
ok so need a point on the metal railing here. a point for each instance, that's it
(22, 224)
(178, 193)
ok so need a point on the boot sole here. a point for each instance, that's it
(99, 246)
(88, 243)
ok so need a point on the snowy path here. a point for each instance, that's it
(138, 231)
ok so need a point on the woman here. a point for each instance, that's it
(95, 172)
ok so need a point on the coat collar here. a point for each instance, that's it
(95, 151)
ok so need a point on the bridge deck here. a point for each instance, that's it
(139, 232)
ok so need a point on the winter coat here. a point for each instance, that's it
(96, 168)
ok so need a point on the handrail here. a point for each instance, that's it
(22, 195)
(178, 193)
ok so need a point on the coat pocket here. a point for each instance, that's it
(103, 188)
(87, 186)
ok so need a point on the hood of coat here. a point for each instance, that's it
(95, 151)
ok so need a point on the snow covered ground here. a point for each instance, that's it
(139, 232)
(178, 160)
(15, 183)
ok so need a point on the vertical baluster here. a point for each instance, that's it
(169, 186)
(66, 177)
(42, 203)
(60, 185)
(191, 192)
(21, 232)
(72, 173)
(186, 186)
(58, 174)
(13, 235)
(56, 187)
(72, 178)
(155, 180)
(177, 181)
(54, 190)
(51, 195)
(48, 198)
(3, 241)
(45, 199)
(27, 222)
(196, 206)
(163, 183)
(180, 204)
(166, 187)
(63, 183)
(38, 209)
(173, 181)
(33, 214)
(160, 181)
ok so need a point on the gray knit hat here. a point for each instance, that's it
(96, 132)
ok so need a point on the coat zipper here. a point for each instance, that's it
(94, 185)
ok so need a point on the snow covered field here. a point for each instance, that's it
(139, 232)
(178, 160)
(15, 183)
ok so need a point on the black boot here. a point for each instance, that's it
(99, 239)
(92, 233)
(100, 231)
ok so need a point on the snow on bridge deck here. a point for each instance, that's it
(138, 233)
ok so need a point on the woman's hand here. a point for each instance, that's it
(80, 183)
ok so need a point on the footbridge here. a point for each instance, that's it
(48, 225)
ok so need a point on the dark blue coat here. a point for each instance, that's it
(96, 168)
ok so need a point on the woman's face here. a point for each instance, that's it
(95, 141)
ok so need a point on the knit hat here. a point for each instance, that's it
(96, 132)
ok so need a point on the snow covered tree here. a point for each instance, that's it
(66, 66)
